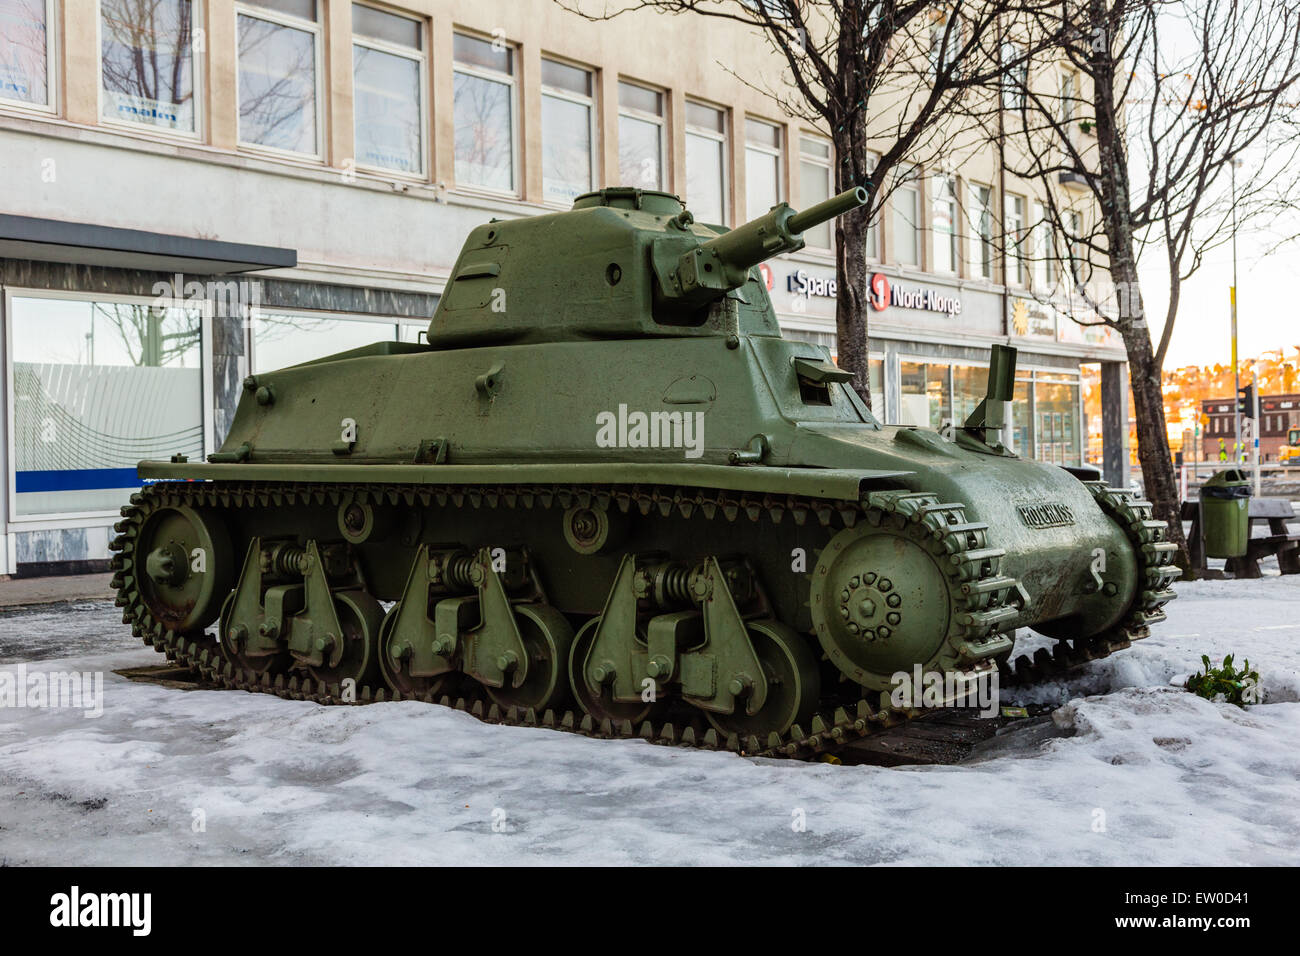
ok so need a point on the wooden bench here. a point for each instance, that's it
(1279, 540)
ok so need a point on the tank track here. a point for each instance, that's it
(982, 597)
(1156, 570)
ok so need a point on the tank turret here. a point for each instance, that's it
(622, 263)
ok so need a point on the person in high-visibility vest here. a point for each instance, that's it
(1223, 451)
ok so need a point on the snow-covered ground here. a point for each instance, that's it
(1150, 775)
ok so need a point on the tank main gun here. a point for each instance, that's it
(709, 270)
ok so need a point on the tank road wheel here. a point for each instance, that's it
(602, 705)
(395, 673)
(547, 637)
(361, 618)
(793, 684)
(188, 566)
(256, 663)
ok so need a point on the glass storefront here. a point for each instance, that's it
(97, 387)
(1045, 417)
(926, 394)
(1056, 417)
(281, 339)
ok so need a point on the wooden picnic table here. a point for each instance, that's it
(1277, 512)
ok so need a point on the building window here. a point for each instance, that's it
(279, 75)
(945, 41)
(388, 83)
(907, 223)
(873, 234)
(1074, 245)
(281, 339)
(815, 185)
(1014, 240)
(485, 114)
(1067, 97)
(943, 223)
(26, 58)
(99, 386)
(1016, 71)
(706, 162)
(568, 132)
(147, 63)
(980, 219)
(640, 136)
(1045, 254)
(762, 167)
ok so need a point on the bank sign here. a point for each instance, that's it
(882, 293)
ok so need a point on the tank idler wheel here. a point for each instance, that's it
(793, 684)
(188, 564)
(361, 618)
(601, 705)
(547, 637)
(395, 672)
(259, 664)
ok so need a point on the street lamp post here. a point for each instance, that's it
(1236, 368)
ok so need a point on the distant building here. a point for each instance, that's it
(1278, 415)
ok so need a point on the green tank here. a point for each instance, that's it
(606, 495)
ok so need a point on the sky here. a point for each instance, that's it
(1268, 309)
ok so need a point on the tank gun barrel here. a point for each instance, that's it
(711, 269)
(828, 209)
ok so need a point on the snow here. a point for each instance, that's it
(1133, 770)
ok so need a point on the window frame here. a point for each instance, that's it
(421, 56)
(1013, 249)
(52, 51)
(1014, 99)
(1067, 92)
(981, 256)
(722, 139)
(660, 120)
(1044, 269)
(828, 164)
(511, 81)
(909, 183)
(199, 133)
(953, 201)
(317, 30)
(779, 152)
(12, 521)
(559, 93)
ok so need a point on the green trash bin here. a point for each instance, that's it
(1225, 514)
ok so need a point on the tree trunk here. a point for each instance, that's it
(1149, 410)
(851, 300)
(851, 330)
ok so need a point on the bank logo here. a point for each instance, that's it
(1046, 516)
(879, 292)
(634, 429)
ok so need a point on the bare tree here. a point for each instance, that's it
(1176, 96)
(873, 73)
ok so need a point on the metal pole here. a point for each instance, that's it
(1254, 431)
(1236, 369)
